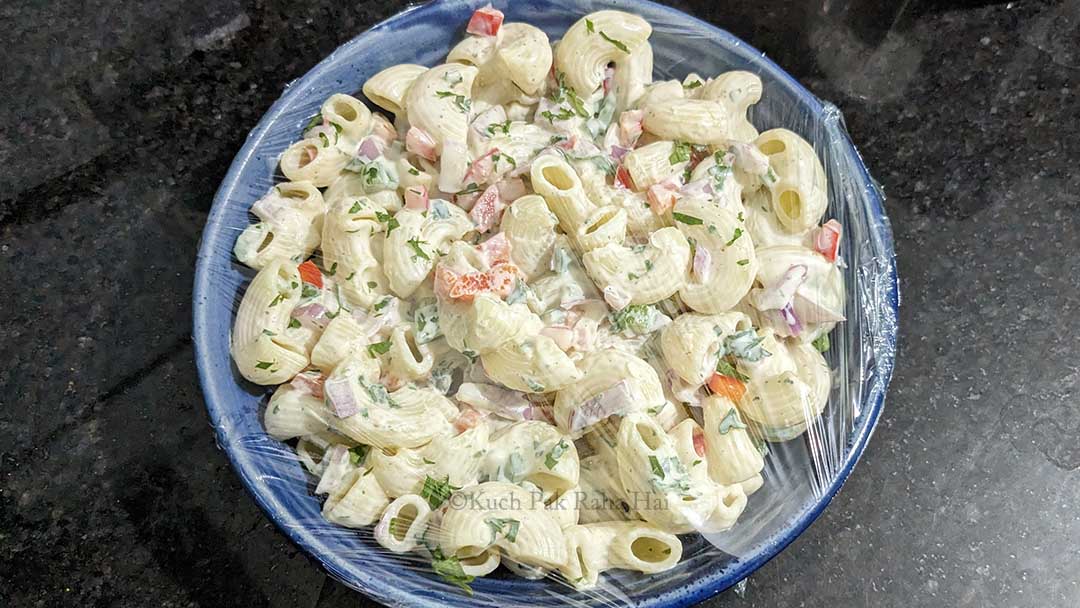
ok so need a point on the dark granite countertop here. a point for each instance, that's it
(119, 120)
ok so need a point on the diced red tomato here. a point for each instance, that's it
(662, 197)
(467, 419)
(310, 383)
(699, 441)
(465, 286)
(630, 127)
(480, 169)
(623, 179)
(383, 129)
(503, 277)
(418, 142)
(416, 197)
(732, 388)
(485, 21)
(496, 249)
(827, 239)
(309, 273)
(485, 213)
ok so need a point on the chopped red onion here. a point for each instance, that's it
(418, 142)
(336, 467)
(618, 153)
(617, 399)
(787, 313)
(311, 315)
(702, 263)
(370, 148)
(383, 129)
(511, 189)
(310, 383)
(616, 298)
(340, 397)
(563, 336)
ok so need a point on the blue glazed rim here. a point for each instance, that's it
(697, 588)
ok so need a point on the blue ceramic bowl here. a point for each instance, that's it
(863, 349)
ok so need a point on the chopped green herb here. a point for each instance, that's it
(370, 284)
(618, 45)
(725, 368)
(741, 217)
(436, 492)
(506, 526)
(264, 364)
(499, 126)
(356, 207)
(470, 189)
(656, 468)
(325, 140)
(734, 237)
(333, 270)
(388, 219)
(379, 348)
(357, 454)
(743, 262)
(821, 343)
(449, 568)
(426, 461)
(679, 153)
(693, 85)
(464, 105)
(418, 252)
(294, 323)
(555, 454)
(315, 121)
(413, 171)
(730, 421)
(267, 332)
(470, 354)
(695, 463)
(280, 297)
(381, 304)
(589, 26)
(689, 220)
(309, 291)
(636, 318)
(564, 114)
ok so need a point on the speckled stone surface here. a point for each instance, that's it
(120, 119)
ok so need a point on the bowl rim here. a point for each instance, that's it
(694, 590)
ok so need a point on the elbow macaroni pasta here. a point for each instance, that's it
(546, 318)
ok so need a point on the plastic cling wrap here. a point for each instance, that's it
(631, 396)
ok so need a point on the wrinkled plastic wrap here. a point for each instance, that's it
(801, 475)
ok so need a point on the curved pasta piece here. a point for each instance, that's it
(407, 358)
(584, 403)
(763, 224)
(262, 354)
(725, 263)
(630, 545)
(818, 299)
(652, 471)
(403, 524)
(411, 249)
(524, 55)
(492, 514)
(530, 364)
(388, 88)
(737, 91)
(439, 101)
(408, 417)
(313, 160)
(691, 343)
(689, 439)
(348, 114)
(352, 239)
(640, 218)
(535, 452)
(733, 455)
(646, 273)
(797, 181)
(697, 121)
(530, 229)
(292, 413)
(781, 406)
(360, 506)
(485, 324)
(291, 216)
(604, 226)
(595, 41)
(554, 179)
(342, 335)
(633, 75)
(651, 164)
(457, 459)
